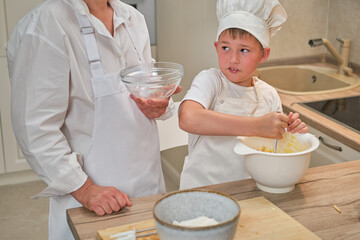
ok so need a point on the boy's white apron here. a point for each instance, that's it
(213, 159)
(124, 151)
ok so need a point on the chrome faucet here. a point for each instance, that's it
(342, 58)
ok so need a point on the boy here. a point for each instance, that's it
(228, 102)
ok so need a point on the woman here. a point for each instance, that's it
(93, 144)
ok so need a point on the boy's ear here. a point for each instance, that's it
(265, 54)
(215, 44)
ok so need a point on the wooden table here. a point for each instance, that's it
(310, 203)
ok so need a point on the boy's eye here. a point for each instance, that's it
(244, 50)
(225, 48)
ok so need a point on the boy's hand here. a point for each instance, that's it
(153, 108)
(272, 125)
(295, 124)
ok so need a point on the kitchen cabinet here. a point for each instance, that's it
(2, 53)
(3, 34)
(330, 150)
(2, 164)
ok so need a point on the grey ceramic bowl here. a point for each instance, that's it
(190, 204)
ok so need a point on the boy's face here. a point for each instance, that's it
(239, 57)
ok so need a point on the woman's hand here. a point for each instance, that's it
(101, 200)
(153, 108)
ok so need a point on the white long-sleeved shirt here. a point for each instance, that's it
(52, 95)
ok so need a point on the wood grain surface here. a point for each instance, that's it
(310, 203)
(259, 219)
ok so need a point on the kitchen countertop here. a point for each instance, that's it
(323, 124)
(310, 203)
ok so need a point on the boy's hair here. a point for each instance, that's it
(237, 32)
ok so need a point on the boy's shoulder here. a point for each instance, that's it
(264, 86)
(212, 74)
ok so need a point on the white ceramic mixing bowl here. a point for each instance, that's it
(277, 172)
(159, 80)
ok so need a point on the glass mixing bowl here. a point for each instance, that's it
(159, 80)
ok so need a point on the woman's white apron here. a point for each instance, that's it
(124, 151)
(213, 159)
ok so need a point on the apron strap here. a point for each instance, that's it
(258, 94)
(257, 91)
(132, 38)
(88, 34)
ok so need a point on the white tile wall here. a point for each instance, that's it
(344, 22)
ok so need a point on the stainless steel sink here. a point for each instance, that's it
(306, 79)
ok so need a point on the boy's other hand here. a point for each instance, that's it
(295, 124)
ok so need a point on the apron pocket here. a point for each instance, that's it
(108, 85)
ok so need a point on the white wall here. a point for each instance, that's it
(186, 30)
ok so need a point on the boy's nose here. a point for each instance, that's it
(235, 58)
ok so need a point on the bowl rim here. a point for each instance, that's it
(313, 139)
(196, 228)
(176, 75)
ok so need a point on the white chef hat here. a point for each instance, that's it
(261, 18)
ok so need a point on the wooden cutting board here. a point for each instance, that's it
(259, 219)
